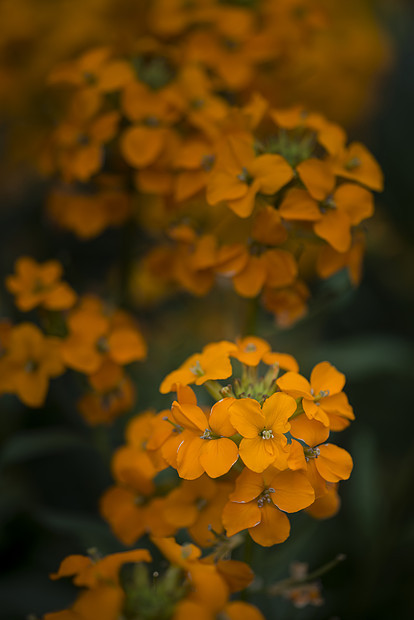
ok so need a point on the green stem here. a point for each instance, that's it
(247, 558)
(214, 389)
(251, 317)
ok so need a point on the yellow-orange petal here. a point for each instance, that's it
(249, 282)
(188, 457)
(281, 268)
(326, 506)
(240, 610)
(317, 177)
(219, 420)
(271, 172)
(249, 485)
(334, 463)
(325, 377)
(237, 517)
(217, 456)
(141, 146)
(189, 416)
(293, 491)
(258, 453)
(284, 360)
(247, 417)
(126, 345)
(293, 383)
(274, 526)
(312, 432)
(277, 410)
(335, 228)
(299, 205)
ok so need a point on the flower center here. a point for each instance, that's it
(265, 497)
(207, 434)
(197, 370)
(353, 163)
(267, 434)
(245, 176)
(311, 453)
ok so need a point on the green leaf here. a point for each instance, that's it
(35, 444)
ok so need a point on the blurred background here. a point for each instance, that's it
(53, 467)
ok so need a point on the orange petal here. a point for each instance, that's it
(249, 485)
(188, 457)
(218, 456)
(273, 528)
(277, 410)
(141, 145)
(298, 205)
(247, 417)
(317, 176)
(219, 420)
(238, 517)
(249, 281)
(293, 491)
(281, 268)
(272, 172)
(126, 345)
(356, 201)
(326, 378)
(334, 463)
(335, 228)
(294, 384)
(311, 432)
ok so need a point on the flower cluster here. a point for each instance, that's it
(259, 453)
(189, 587)
(227, 184)
(81, 334)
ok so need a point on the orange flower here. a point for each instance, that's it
(205, 444)
(38, 284)
(332, 218)
(252, 350)
(357, 164)
(113, 394)
(287, 304)
(94, 337)
(239, 175)
(322, 398)
(262, 429)
(212, 363)
(132, 514)
(258, 500)
(31, 359)
(79, 144)
(197, 505)
(89, 573)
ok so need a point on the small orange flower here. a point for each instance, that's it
(239, 175)
(322, 397)
(262, 429)
(205, 442)
(30, 361)
(258, 500)
(36, 284)
(94, 337)
(112, 394)
(212, 363)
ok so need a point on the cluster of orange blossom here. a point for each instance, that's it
(191, 586)
(258, 453)
(182, 121)
(290, 49)
(81, 334)
(268, 198)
